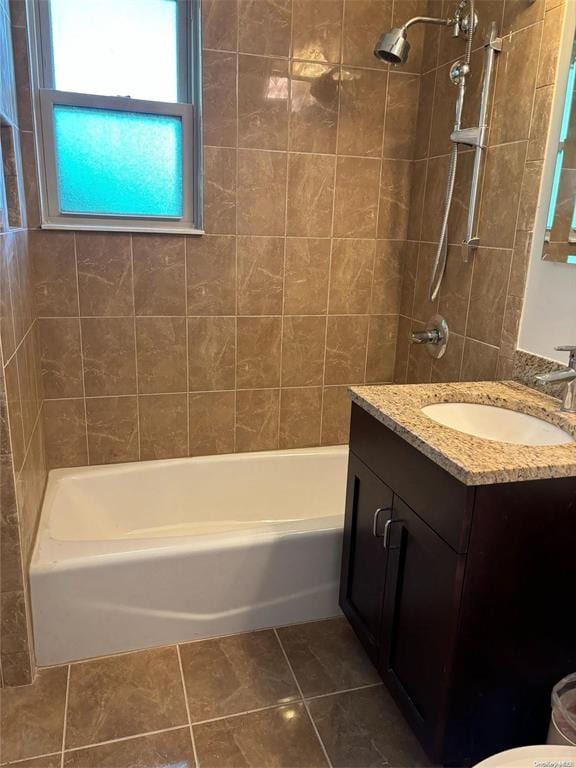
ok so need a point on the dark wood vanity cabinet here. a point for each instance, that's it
(463, 597)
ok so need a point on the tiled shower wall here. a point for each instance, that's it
(481, 299)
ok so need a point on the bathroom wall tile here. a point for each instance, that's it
(455, 290)
(520, 261)
(458, 219)
(364, 21)
(48, 761)
(54, 273)
(424, 307)
(159, 274)
(505, 370)
(30, 490)
(314, 105)
(219, 24)
(346, 341)
(335, 416)
(109, 356)
(22, 77)
(431, 41)
(61, 357)
(27, 357)
(258, 354)
(13, 629)
(529, 197)
(260, 275)
(211, 424)
(510, 327)
(163, 426)
(451, 48)
(166, 748)
(317, 30)
(356, 203)
(448, 367)
(310, 195)
(351, 276)
(264, 27)
(16, 669)
(394, 209)
(479, 362)
(362, 108)
(7, 337)
(387, 280)
(257, 414)
(502, 181)
(161, 354)
(419, 369)
(261, 192)
(539, 123)
(300, 417)
(104, 274)
(219, 100)
(30, 180)
(65, 433)
(403, 11)
(14, 405)
(211, 353)
(401, 116)
(402, 350)
(20, 275)
(518, 14)
(434, 196)
(550, 46)
(381, 353)
(17, 13)
(112, 424)
(306, 276)
(211, 275)
(263, 97)
(119, 696)
(425, 114)
(416, 206)
(219, 190)
(303, 351)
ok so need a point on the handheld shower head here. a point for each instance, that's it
(393, 46)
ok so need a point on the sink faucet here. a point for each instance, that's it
(568, 376)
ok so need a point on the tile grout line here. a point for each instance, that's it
(131, 737)
(65, 724)
(185, 694)
(187, 346)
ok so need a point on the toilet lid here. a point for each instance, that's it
(526, 757)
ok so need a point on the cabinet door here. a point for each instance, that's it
(368, 509)
(419, 619)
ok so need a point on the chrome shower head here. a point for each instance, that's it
(393, 46)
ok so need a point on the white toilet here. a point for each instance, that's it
(549, 756)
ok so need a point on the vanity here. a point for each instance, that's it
(459, 560)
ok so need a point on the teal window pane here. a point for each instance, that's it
(118, 163)
(116, 47)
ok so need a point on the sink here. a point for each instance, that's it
(501, 424)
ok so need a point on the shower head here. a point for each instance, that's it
(393, 46)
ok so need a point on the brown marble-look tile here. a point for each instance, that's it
(211, 275)
(261, 192)
(219, 105)
(219, 190)
(448, 367)
(119, 696)
(22, 78)
(455, 290)
(6, 317)
(20, 277)
(419, 370)
(46, 761)
(425, 114)
(163, 426)
(14, 408)
(488, 295)
(356, 203)
(387, 280)
(264, 27)
(282, 737)
(317, 30)
(394, 209)
(409, 267)
(326, 657)
(364, 20)
(502, 181)
(300, 417)
(219, 24)
(540, 121)
(360, 728)
(346, 341)
(505, 370)
(416, 207)
(112, 425)
(13, 630)
(65, 433)
(211, 353)
(161, 353)
(550, 46)
(382, 337)
(529, 197)
(54, 273)
(351, 276)
(32, 717)
(30, 181)
(310, 195)
(257, 419)
(520, 260)
(260, 275)
(27, 357)
(303, 351)
(401, 12)
(170, 748)
(16, 669)
(109, 355)
(104, 274)
(258, 355)
(434, 195)
(211, 426)
(159, 275)
(402, 350)
(518, 14)
(263, 98)
(424, 307)
(510, 327)
(362, 107)
(479, 361)
(314, 105)
(61, 359)
(306, 276)
(401, 116)
(235, 674)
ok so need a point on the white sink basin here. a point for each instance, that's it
(499, 424)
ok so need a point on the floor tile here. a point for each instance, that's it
(33, 716)
(364, 728)
(274, 738)
(326, 657)
(159, 750)
(235, 674)
(123, 696)
(48, 761)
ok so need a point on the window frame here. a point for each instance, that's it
(188, 108)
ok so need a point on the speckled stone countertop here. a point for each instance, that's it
(473, 460)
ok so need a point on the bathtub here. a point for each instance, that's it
(136, 555)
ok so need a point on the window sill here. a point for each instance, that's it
(123, 228)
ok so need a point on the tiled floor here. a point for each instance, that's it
(297, 697)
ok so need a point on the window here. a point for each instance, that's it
(117, 113)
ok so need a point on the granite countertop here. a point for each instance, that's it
(473, 460)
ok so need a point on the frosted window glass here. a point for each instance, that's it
(118, 163)
(116, 47)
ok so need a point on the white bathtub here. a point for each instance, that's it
(135, 555)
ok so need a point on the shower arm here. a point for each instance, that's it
(428, 20)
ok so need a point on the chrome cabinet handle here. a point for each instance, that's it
(386, 534)
(375, 521)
